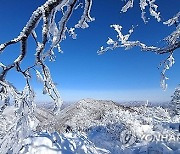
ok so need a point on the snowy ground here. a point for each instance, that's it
(92, 126)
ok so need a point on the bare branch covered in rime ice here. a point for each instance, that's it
(172, 41)
(153, 8)
(53, 32)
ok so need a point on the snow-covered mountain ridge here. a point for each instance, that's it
(98, 126)
(104, 121)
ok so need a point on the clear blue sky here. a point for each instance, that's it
(79, 72)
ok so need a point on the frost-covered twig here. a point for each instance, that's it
(173, 43)
(153, 8)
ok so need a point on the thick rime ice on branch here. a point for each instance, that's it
(53, 31)
(128, 5)
(153, 8)
(173, 20)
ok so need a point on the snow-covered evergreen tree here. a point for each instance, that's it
(175, 102)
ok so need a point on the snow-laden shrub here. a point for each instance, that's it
(55, 143)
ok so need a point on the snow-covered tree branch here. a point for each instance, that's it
(172, 40)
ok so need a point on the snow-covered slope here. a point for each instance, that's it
(55, 143)
(96, 126)
(104, 121)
